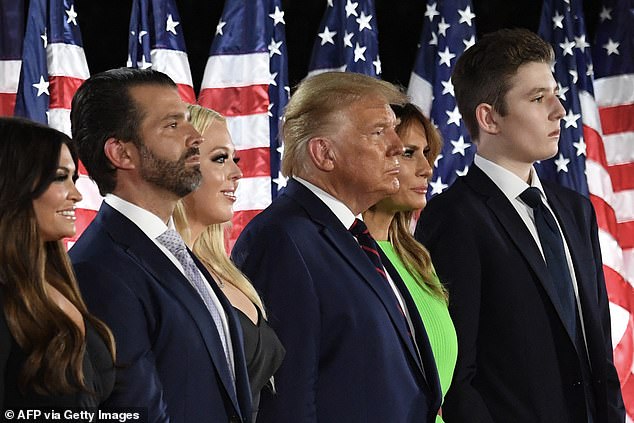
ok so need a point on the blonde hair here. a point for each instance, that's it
(314, 103)
(209, 247)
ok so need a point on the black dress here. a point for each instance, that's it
(99, 375)
(263, 353)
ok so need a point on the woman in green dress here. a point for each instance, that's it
(389, 222)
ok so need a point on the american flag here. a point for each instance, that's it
(562, 25)
(246, 79)
(448, 30)
(156, 40)
(11, 38)
(53, 67)
(611, 176)
(348, 41)
(586, 156)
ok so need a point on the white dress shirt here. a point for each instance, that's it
(152, 226)
(346, 217)
(512, 186)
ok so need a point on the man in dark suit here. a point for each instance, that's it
(179, 346)
(356, 349)
(520, 257)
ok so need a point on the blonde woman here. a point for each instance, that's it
(199, 217)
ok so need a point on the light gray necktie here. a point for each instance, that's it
(171, 240)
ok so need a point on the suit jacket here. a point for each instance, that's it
(516, 360)
(169, 353)
(349, 357)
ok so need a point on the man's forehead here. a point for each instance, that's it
(158, 100)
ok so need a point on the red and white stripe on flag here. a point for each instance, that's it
(11, 39)
(237, 87)
(610, 169)
(610, 172)
(9, 79)
(156, 40)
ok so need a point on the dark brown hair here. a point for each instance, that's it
(103, 108)
(483, 72)
(54, 345)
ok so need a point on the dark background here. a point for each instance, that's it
(104, 26)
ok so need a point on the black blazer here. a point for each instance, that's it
(349, 357)
(169, 353)
(516, 360)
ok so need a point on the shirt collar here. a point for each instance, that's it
(509, 183)
(149, 223)
(343, 213)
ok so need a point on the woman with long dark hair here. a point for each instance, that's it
(53, 352)
(389, 222)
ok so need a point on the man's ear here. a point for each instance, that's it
(487, 118)
(120, 153)
(321, 153)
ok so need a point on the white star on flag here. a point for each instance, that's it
(567, 46)
(280, 181)
(377, 65)
(219, 27)
(443, 27)
(571, 119)
(612, 47)
(42, 87)
(431, 11)
(351, 9)
(170, 25)
(581, 43)
(447, 87)
(562, 163)
(72, 15)
(274, 47)
(438, 186)
(562, 91)
(327, 36)
(558, 20)
(445, 57)
(580, 147)
(359, 53)
(466, 15)
(606, 14)
(277, 16)
(460, 147)
(141, 35)
(347, 39)
(364, 21)
(454, 116)
(462, 172)
(469, 43)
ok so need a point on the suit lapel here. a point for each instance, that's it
(151, 258)
(429, 370)
(342, 241)
(518, 233)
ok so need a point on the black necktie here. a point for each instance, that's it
(553, 248)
